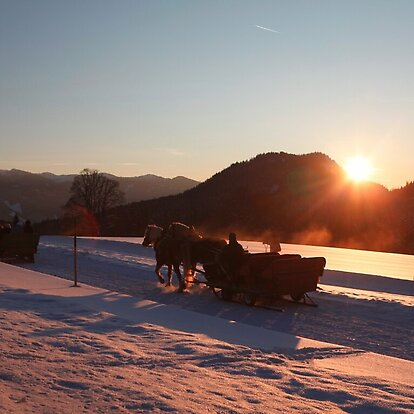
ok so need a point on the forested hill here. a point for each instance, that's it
(300, 198)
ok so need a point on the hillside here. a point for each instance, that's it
(299, 198)
(303, 199)
(41, 196)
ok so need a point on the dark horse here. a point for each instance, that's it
(180, 244)
(167, 253)
(206, 250)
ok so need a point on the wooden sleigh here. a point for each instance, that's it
(267, 276)
(20, 246)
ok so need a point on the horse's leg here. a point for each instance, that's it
(194, 266)
(158, 272)
(186, 258)
(181, 281)
(169, 282)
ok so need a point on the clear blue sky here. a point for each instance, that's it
(188, 87)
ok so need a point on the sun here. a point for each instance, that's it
(358, 168)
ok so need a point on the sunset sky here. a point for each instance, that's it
(178, 87)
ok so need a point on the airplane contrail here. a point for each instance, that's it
(266, 28)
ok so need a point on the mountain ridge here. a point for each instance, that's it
(303, 199)
(40, 196)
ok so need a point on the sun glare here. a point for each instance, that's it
(358, 168)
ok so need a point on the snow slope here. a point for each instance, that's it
(371, 319)
(134, 346)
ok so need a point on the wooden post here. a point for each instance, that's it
(75, 257)
(75, 262)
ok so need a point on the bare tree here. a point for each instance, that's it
(94, 191)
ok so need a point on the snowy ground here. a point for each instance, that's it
(132, 345)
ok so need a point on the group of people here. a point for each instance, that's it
(16, 226)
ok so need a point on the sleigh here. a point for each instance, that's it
(267, 276)
(18, 246)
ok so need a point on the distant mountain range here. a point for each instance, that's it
(41, 196)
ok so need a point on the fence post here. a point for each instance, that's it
(75, 257)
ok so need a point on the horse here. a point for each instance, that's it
(180, 243)
(194, 248)
(181, 232)
(166, 253)
(152, 235)
(184, 237)
(206, 250)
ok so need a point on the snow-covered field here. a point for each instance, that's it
(122, 343)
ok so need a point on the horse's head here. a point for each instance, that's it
(152, 235)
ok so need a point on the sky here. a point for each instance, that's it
(187, 88)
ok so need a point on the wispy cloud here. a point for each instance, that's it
(175, 152)
(266, 28)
